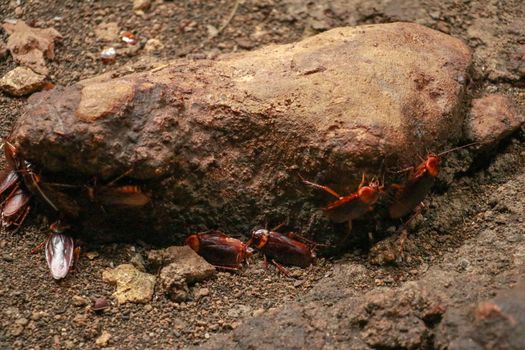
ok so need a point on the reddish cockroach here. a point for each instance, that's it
(130, 195)
(418, 184)
(353, 206)
(220, 250)
(127, 195)
(281, 249)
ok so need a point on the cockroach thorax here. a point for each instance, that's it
(260, 238)
(193, 242)
(369, 194)
(432, 165)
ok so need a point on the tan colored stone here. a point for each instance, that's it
(103, 339)
(182, 261)
(100, 100)
(132, 285)
(141, 5)
(22, 81)
(492, 118)
(31, 46)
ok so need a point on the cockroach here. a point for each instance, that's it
(353, 206)
(60, 250)
(15, 209)
(219, 250)
(418, 184)
(127, 195)
(281, 249)
(130, 195)
(19, 169)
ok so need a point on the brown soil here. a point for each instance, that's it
(37, 312)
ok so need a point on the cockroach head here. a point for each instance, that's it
(193, 242)
(432, 164)
(260, 238)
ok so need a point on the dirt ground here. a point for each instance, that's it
(38, 313)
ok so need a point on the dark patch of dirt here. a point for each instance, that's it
(469, 223)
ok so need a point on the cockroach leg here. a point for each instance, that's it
(281, 268)
(19, 222)
(278, 227)
(321, 187)
(311, 243)
(39, 247)
(227, 268)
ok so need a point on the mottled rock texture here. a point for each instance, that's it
(132, 285)
(220, 144)
(22, 81)
(31, 47)
(492, 118)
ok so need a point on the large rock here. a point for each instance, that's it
(221, 143)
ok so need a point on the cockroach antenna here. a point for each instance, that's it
(457, 148)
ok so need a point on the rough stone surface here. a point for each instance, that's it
(398, 319)
(22, 81)
(494, 29)
(198, 131)
(31, 47)
(132, 285)
(182, 261)
(498, 323)
(492, 118)
(173, 284)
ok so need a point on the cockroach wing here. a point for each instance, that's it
(8, 178)
(118, 196)
(346, 208)
(409, 196)
(60, 201)
(15, 202)
(59, 254)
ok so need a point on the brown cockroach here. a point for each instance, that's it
(282, 249)
(353, 206)
(20, 173)
(219, 250)
(418, 184)
(15, 209)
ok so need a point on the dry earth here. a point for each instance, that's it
(467, 246)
